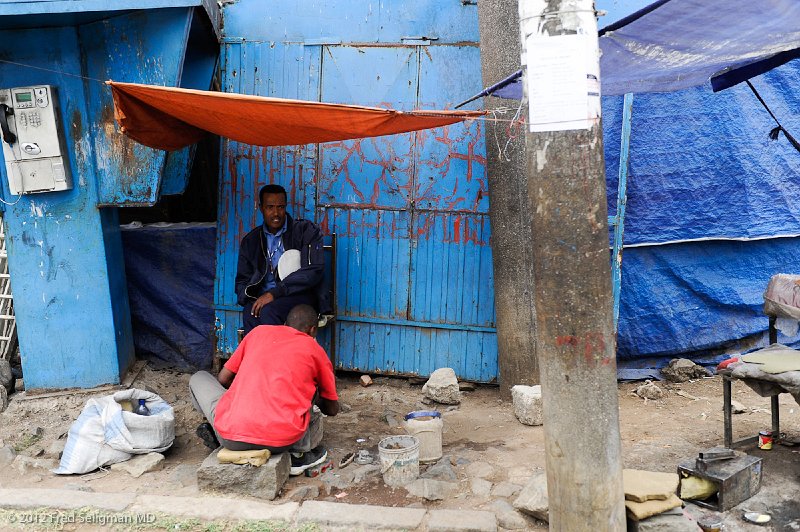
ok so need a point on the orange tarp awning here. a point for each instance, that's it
(169, 118)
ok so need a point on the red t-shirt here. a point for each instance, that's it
(278, 370)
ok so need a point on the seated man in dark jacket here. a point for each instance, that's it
(265, 296)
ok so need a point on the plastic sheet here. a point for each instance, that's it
(170, 273)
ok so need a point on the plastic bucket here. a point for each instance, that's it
(427, 427)
(399, 460)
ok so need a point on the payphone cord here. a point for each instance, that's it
(8, 137)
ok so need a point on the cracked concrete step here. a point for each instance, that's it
(360, 516)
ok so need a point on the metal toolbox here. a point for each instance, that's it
(736, 475)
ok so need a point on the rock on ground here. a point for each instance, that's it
(527, 404)
(532, 500)
(505, 489)
(140, 464)
(55, 449)
(301, 493)
(480, 487)
(442, 387)
(3, 399)
(682, 370)
(441, 470)
(265, 482)
(649, 390)
(25, 463)
(7, 455)
(184, 475)
(737, 407)
(6, 377)
(480, 470)
(507, 516)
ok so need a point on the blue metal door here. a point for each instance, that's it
(414, 282)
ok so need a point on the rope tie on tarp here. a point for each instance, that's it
(774, 132)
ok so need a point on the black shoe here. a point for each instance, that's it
(303, 461)
(206, 433)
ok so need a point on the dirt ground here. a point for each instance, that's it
(656, 435)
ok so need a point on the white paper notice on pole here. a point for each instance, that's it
(562, 81)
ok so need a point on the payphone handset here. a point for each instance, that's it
(33, 140)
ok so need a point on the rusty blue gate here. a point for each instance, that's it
(414, 279)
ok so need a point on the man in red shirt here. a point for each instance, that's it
(272, 381)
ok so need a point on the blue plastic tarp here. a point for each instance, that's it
(698, 297)
(702, 165)
(170, 273)
(677, 44)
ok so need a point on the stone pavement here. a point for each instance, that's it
(327, 515)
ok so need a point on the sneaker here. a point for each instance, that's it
(206, 433)
(303, 461)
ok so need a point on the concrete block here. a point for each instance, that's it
(27, 498)
(532, 500)
(265, 482)
(442, 387)
(432, 490)
(140, 464)
(527, 402)
(461, 521)
(355, 516)
(213, 508)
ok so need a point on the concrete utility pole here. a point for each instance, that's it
(509, 209)
(575, 332)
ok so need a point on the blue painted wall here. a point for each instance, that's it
(65, 256)
(65, 253)
(410, 212)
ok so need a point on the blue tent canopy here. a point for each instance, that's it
(677, 44)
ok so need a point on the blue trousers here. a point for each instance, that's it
(275, 313)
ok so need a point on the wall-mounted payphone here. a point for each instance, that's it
(33, 142)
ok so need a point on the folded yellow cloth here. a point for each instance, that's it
(643, 510)
(255, 458)
(641, 486)
(697, 488)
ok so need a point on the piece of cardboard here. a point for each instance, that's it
(641, 486)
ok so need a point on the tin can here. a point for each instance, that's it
(710, 523)
(765, 440)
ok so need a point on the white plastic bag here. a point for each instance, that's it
(105, 434)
